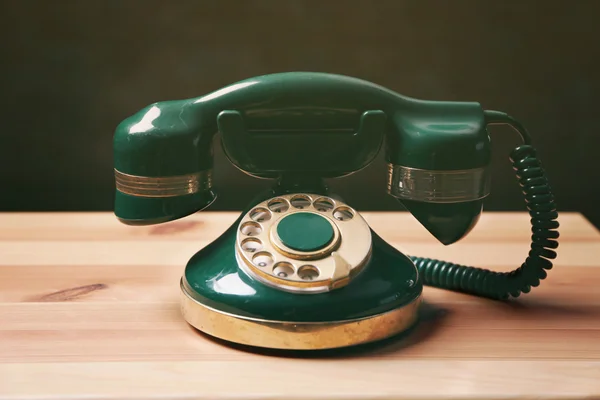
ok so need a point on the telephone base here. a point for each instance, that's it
(292, 335)
(378, 297)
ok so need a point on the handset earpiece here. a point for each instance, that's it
(162, 165)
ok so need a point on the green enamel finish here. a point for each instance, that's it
(439, 135)
(305, 231)
(270, 123)
(162, 139)
(133, 210)
(388, 281)
(448, 222)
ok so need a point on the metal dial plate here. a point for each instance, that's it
(262, 255)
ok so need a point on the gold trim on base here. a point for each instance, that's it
(296, 335)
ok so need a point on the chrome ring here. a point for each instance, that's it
(163, 186)
(438, 186)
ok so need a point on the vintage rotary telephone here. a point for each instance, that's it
(300, 268)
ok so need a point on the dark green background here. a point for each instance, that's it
(71, 70)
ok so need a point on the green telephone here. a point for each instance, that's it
(300, 268)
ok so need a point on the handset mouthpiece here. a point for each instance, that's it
(438, 165)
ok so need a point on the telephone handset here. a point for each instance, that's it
(301, 268)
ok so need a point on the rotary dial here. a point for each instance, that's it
(303, 243)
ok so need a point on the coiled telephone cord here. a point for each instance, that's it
(542, 209)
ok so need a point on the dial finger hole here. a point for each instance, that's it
(278, 205)
(300, 202)
(263, 259)
(251, 245)
(251, 229)
(308, 272)
(343, 214)
(323, 204)
(260, 214)
(283, 270)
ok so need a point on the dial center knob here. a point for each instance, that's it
(304, 231)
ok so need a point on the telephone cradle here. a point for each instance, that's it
(300, 268)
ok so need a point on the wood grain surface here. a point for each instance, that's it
(89, 310)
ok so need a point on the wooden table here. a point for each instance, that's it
(89, 310)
